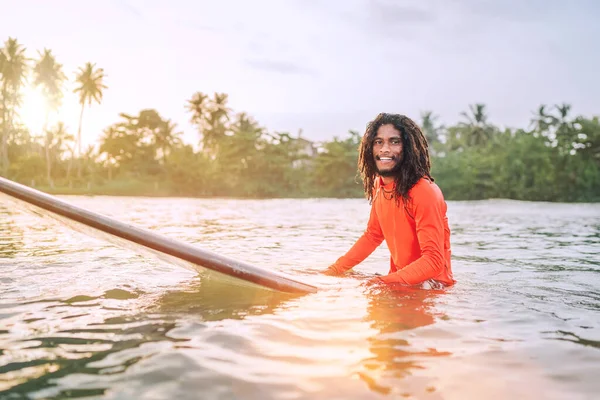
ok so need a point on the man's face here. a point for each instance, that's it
(387, 150)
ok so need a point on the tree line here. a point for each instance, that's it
(555, 158)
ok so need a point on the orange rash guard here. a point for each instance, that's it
(417, 236)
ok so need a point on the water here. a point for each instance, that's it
(80, 317)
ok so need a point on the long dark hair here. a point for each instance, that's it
(415, 163)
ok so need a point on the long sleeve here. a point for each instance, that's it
(429, 214)
(364, 246)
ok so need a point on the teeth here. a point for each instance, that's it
(385, 158)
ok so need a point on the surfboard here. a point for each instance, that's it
(160, 245)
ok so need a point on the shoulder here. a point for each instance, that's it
(426, 192)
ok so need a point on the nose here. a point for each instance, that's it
(385, 147)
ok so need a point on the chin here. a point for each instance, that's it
(389, 171)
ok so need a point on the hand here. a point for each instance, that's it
(375, 281)
(330, 271)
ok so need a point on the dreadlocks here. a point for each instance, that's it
(415, 163)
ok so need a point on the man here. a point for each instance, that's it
(408, 209)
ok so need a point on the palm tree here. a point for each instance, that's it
(220, 104)
(210, 117)
(56, 140)
(216, 123)
(240, 148)
(431, 130)
(245, 126)
(89, 160)
(90, 88)
(197, 105)
(566, 135)
(166, 138)
(110, 148)
(541, 120)
(589, 140)
(49, 75)
(478, 116)
(563, 110)
(477, 127)
(13, 69)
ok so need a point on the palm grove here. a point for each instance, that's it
(556, 158)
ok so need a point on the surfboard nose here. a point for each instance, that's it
(154, 241)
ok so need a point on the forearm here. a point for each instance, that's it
(363, 247)
(428, 266)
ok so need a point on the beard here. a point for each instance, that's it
(393, 171)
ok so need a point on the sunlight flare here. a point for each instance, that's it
(34, 110)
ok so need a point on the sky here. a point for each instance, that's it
(322, 66)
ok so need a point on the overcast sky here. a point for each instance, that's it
(325, 66)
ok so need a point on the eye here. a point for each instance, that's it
(378, 142)
(395, 142)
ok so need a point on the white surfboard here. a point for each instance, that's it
(161, 246)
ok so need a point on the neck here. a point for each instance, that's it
(387, 179)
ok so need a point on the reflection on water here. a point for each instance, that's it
(98, 336)
(391, 312)
(56, 338)
(82, 318)
(71, 352)
(216, 300)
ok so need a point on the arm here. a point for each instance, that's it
(429, 213)
(364, 246)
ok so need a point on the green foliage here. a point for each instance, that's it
(28, 168)
(335, 168)
(556, 158)
(526, 165)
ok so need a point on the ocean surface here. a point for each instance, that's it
(81, 317)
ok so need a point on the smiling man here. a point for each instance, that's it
(408, 209)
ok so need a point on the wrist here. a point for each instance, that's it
(331, 270)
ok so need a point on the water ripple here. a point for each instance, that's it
(80, 317)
